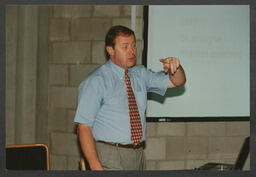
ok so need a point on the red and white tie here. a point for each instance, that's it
(136, 128)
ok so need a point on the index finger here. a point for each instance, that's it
(163, 61)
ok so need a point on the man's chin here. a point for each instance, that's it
(131, 63)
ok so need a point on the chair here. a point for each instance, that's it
(240, 161)
(27, 157)
(82, 164)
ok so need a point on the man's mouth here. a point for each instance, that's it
(132, 58)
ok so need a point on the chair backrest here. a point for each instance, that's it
(27, 157)
(243, 154)
(82, 164)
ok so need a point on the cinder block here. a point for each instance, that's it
(206, 129)
(127, 22)
(123, 21)
(74, 11)
(63, 97)
(238, 128)
(139, 11)
(247, 163)
(73, 162)
(151, 165)
(139, 28)
(85, 29)
(171, 165)
(58, 162)
(139, 45)
(79, 72)
(171, 129)
(62, 11)
(57, 119)
(224, 147)
(196, 147)
(58, 74)
(155, 149)
(70, 121)
(64, 144)
(59, 29)
(71, 52)
(98, 52)
(175, 148)
(151, 129)
(106, 11)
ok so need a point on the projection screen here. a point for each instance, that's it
(212, 43)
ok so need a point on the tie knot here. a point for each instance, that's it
(126, 72)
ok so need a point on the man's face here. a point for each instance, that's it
(124, 52)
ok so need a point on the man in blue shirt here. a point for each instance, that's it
(103, 112)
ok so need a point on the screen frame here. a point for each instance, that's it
(179, 119)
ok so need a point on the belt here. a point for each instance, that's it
(132, 146)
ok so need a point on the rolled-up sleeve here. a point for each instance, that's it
(156, 82)
(89, 101)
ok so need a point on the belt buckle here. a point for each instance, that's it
(135, 145)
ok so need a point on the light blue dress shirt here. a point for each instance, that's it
(103, 102)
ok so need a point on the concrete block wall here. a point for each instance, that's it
(177, 146)
(76, 48)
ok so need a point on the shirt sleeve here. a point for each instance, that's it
(156, 82)
(89, 101)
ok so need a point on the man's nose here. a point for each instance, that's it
(133, 50)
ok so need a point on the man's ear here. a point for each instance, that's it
(110, 50)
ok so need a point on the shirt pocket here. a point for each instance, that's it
(116, 97)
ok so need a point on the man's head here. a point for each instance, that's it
(120, 45)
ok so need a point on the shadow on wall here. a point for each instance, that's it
(173, 92)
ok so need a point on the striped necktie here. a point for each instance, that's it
(135, 122)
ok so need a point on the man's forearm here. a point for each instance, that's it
(178, 78)
(88, 146)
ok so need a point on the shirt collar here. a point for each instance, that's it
(117, 69)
